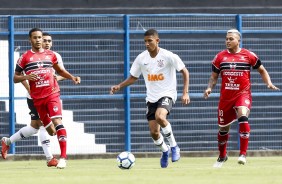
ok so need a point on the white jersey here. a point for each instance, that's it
(159, 73)
(60, 62)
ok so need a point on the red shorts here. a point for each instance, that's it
(227, 109)
(48, 108)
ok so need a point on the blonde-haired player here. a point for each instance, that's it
(234, 65)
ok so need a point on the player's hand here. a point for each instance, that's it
(207, 92)
(32, 77)
(185, 99)
(76, 80)
(114, 89)
(271, 86)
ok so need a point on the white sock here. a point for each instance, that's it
(160, 143)
(169, 135)
(23, 133)
(45, 142)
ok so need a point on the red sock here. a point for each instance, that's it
(244, 131)
(222, 138)
(62, 138)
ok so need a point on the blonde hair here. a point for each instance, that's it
(234, 31)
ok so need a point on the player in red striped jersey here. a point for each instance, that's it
(38, 65)
(234, 65)
(35, 123)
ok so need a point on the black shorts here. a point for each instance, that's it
(164, 102)
(33, 112)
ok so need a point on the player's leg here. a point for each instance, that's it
(244, 132)
(164, 107)
(56, 116)
(157, 137)
(24, 132)
(159, 142)
(222, 138)
(226, 116)
(62, 138)
(243, 106)
(51, 107)
(44, 138)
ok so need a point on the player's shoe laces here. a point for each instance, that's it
(164, 158)
(242, 159)
(5, 147)
(175, 153)
(220, 161)
(53, 162)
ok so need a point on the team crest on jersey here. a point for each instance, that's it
(40, 64)
(160, 63)
(232, 66)
(247, 102)
(31, 59)
(55, 108)
(225, 58)
(47, 57)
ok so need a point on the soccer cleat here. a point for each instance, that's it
(62, 163)
(175, 153)
(242, 159)
(220, 161)
(5, 147)
(52, 163)
(164, 159)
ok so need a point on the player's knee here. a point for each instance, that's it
(51, 130)
(243, 119)
(160, 118)
(222, 133)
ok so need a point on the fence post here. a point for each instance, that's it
(11, 83)
(127, 89)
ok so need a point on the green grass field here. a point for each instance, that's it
(199, 170)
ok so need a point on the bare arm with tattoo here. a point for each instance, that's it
(211, 84)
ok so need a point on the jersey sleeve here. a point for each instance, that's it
(216, 64)
(20, 64)
(135, 69)
(54, 58)
(177, 62)
(60, 60)
(254, 60)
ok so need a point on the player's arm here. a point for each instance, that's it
(18, 77)
(185, 97)
(212, 82)
(266, 78)
(60, 62)
(130, 80)
(64, 73)
(59, 78)
(26, 86)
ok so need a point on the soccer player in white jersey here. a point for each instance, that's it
(35, 123)
(158, 67)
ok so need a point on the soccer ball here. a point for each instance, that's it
(125, 160)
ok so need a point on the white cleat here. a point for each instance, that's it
(242, 160)
(219, 162)
(62, 163)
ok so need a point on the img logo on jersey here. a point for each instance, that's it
(155, 77)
